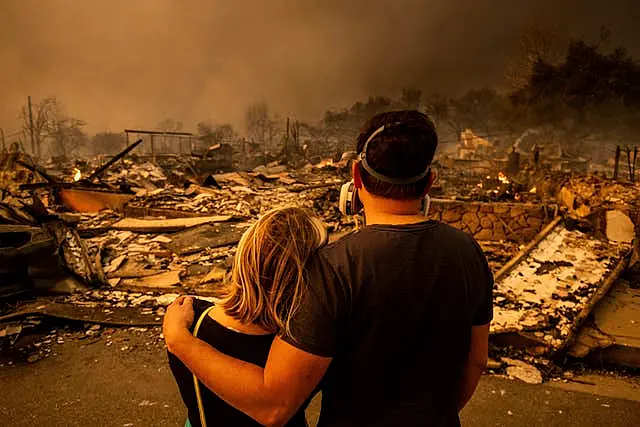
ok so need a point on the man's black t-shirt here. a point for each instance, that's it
(394, 306)
(250, 348)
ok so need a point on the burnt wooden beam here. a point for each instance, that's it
(38, 170)
(156, 132)
(115, 158)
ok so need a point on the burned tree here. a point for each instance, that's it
(47, 122)
(214, 134)
(589, 90)
(537, 43)
(107, 142)
(36, 120)
(66, 136)
(259, 124)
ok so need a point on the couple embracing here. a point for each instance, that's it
(391, 322)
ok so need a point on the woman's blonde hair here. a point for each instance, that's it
(268, 275)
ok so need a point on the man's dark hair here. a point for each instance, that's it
(404, 149)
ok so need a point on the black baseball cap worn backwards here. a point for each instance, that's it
(362, 157)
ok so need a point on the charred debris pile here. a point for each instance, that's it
(136, 222)
(111, 242)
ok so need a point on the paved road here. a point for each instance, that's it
(127, 383)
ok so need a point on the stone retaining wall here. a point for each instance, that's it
(518, 222)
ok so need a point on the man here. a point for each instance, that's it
(396, 316)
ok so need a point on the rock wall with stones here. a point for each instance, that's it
(516, 222)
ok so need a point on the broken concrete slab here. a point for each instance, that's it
(617, 316)
(619, 227)
(205, 236)
(553, 304)
(589, 338)
(166, 225)
(522, 371)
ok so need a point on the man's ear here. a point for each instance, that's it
(433, 177)
(355, 174)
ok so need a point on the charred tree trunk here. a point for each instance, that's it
(616, 166)
(628, 150)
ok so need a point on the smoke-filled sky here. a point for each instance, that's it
(132, 63)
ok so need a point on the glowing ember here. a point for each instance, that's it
(480, 185)
(533, 190)
(326, 162)
(503, 178)
(78, 175)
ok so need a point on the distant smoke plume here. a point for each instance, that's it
(132, 63)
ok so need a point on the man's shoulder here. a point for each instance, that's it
(345, 240)
(355, 240)
(435, 230)
(366, 240)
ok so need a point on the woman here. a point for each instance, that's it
(267, 281)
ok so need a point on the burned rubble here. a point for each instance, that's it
(111, 243)
(545, 294)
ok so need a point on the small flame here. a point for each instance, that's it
(503, 178)
(77, 176)
(533, 190)
(480, 185)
